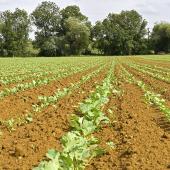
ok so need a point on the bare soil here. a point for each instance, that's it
(26, 147)
(139, 131)
(21, 103)
(140, 142)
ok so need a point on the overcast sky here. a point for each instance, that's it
(152, 10)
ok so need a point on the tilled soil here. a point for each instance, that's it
(161, 87)
(144, 144)
(158, 87)
(25, 147)
(151, 62)
(108, 134)
(29, 79)
(138, 130)
(140, 143)
(160, 71)
(21, 103)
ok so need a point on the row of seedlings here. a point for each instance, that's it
(45, 101)
(152, 97)
(79, 145)
(41, 81)
(152, 74)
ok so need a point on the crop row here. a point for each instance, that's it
(16, 79)
(79, 145)
(154, 69)
(16, 67)
(152, 74)
(45, 101)
(42, 81)
(150, 96)
(37, 73)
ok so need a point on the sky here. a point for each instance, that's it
(151, 10)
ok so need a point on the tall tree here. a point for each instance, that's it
(1, 38)
(46, 17)
(76, 30)
(77, 36)
(161, 37)
(73, 11)
(58, 32)
(15, 32)
(120, 34)
(99, 39)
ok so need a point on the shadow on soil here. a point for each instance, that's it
(164, 123)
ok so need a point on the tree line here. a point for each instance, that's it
(63, 32)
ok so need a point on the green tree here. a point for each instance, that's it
(46, 17)
(77, 36)
(161, 37)
(14, 32)
(99, 39)
(120, 34)
(73, 11)
(1, 39)
(58, 32)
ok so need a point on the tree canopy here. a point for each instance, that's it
(77, 36)
(73, 11)
(14, 30)
(61, 32)
(161, 37)
(120, 34)
(47, 19)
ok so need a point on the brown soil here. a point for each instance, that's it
(140, 132)
(108, 134)
(163, 72)
(27, 80)
(21, 103)
(151, 62)
(140, 143)
(25, 147)
(159, 86)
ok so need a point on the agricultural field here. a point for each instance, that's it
(92, 113)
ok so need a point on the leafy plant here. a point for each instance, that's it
(79, 146)
(153, 98)
(77, 150)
